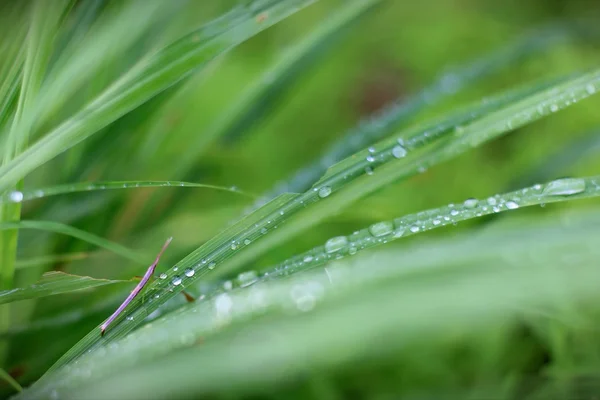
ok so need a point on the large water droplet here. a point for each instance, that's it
(336, 244)
(381, 228)
(247, 278)
(163, 276)
(564, 187)
(512, 205)
(398, 151)
(324, 192)
(176, 280)
(16, 196)
(471, 203)
(189, 272)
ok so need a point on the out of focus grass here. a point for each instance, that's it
(500, 307)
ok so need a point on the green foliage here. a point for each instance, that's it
(326, 285)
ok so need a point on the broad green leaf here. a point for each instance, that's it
(54, 282)
(147, 78)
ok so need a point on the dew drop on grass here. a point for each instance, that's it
(228, 285)
(492, 201)
(471, 203)
(247, 242)
(336, 244)
(591, 89)
(176, 280)
(16, 196)
(512, 205)
(307, 258)
(564, 187)
(381, 228)
(163, 276)
(414, 229)
(233, 245)
(370, 158)
(223, 304)
(247, 278)
(324, 192)
(212, 265)
(398, 151)
(189, 272)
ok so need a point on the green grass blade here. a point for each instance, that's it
(10, 380)
(20, 196)
(52, 283)
(388, 120)
(63, 229)
(50, 259)
(146, 79)
(263, 93)
(344, 294)
(299, 212)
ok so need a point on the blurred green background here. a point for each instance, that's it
(390, 53)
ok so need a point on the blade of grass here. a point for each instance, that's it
(53, 283)
(18, 196)
(56, 227)
(299, 212)
(50, 259)
(146, 79)
(10, 380)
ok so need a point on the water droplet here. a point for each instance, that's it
(263, 230)
(436, 222)
(212, 265)
(564, 187)
(591, 89)
(324, 192)
(189, 272)
(16, 196)
(336, 244)
(553, 108)
(176, 280)
(352, 250)
(369, 170)
(307, 258)
(414, 229)
(247, 242)
(471, 203)
(399, 151)
(176, 268)
(233, 245)
(247, 278)
(492, 201)
(454, 213)
(511, 205)
(381, 228)
(372, 150)
(163, 276)
(129, 318)
(227, 285)
(399, 232)
(223, 304)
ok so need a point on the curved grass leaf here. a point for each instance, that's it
(299, 212)
(54, 282)
(19, 196)
(51, 259)
(147, 78)
(57, 227)
(313, 316)
(388, 120)
(263, 93)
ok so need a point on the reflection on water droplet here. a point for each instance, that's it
(436, 222)
(163, 276)
(381, 228)
(414, 229)
(324, 192)
(335, 244)
(247, 278)
(233, 245)
(399, 151)
(564, 187)
(176, 280)
(189, 272)
(511, 205)
(471, 203)
(370, 158)
(223, 305)
(307, 258)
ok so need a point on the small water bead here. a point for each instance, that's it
(553, 108)
(492, 201)
(414, 229)
(336, 244)
(591, 89)
(381, 228)
(163, 276)
(511, 205)
(454, 213)
(471, 203)
(372, 150)
(212, 266)
(233, 245)
(399, 232)
(176, 280)
(307, 258)
(324, 192)
(436, 222)
(247, 242)
(247, 278)
(399, 151)
(352, 250)
(15, 196)
(263, 230)
(369, 170)
(227, 285)
(370, 158)
(189, 272)
(564, 187)
(176, 268)
(223, 304)
(129, 318)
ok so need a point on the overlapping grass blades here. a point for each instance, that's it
(397, 291)
(147, 78)
(291, 214)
